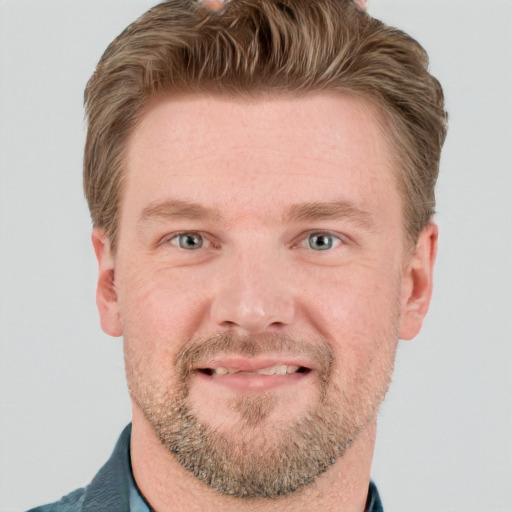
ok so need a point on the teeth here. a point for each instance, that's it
(280, 369)
(273, 370)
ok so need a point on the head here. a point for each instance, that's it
(262, 186)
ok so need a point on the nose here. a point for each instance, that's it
(253, 295)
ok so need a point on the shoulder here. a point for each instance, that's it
(109, 490)
(69, 503)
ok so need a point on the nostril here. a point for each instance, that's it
(251, 308)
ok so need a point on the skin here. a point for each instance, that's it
(247, 164)
(213, 6)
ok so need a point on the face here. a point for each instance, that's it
(260, 282)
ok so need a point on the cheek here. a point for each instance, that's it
(158, 307)
(353, 304)
(153, 331)
(359, 316)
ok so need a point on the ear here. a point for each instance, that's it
(417, 282)
(106, 296)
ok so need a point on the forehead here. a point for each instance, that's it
(246, 150)
(203, 119)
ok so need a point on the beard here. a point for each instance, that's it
(258, 457)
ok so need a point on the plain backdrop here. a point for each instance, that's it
(444, 441)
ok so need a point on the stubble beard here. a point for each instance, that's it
(257, 458)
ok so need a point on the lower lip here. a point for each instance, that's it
(254, 381)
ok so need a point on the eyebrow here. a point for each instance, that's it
(171, 209)
(331, 211)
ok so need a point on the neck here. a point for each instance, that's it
(168, 487)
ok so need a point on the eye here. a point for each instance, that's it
(322, 241)
(189, 241)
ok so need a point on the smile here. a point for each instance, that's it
(242, 374)
(279, 369)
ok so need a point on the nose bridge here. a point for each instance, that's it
(253, 294)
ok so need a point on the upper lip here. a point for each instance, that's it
(244, 364)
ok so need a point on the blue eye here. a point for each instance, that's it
(322, 241)
(188, 241)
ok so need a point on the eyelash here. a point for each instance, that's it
(304, 241)
(174, 239)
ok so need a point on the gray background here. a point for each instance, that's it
(445, 431)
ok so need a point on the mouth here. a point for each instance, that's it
(278, 369)
(247, 374)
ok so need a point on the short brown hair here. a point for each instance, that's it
(282, 46)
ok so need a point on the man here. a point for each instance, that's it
(261, 178)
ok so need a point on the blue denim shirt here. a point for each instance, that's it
(113, 489)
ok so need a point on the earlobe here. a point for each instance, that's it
(106, 296)
(417, 283)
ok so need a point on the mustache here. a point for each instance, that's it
(229, 344)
